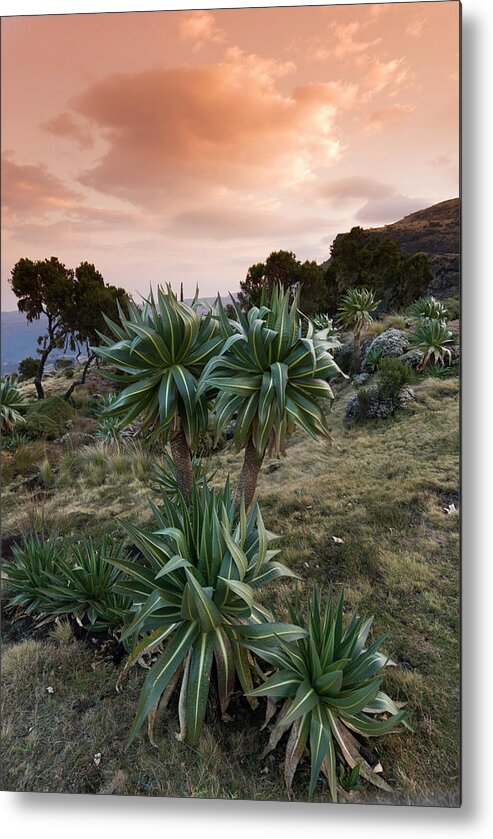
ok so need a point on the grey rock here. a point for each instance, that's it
(343, 356)
(360, 379)
(390, 344)
(412, 358)
(378, 406)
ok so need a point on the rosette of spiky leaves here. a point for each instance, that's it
(330, 683)
(322, 322)
(205, 564)
(11, 404)
(48, 578)
(355, 311)
(165, 479)
(428, 307)
(109, 428)
(272, 374)
(160, 350)
(33, 565)
(84, 585)
(432, 337)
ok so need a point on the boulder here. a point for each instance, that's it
(368, 403)
(360, 379)
(343, 355)
(391, 343)
(412, 358)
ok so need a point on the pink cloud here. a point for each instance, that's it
(346, 41)
(186, 130)
(64, 125)
(376, 120)
(200, 28)
(33, 191)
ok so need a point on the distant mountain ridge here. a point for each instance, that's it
(434, 231)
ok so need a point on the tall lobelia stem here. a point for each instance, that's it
(183, 462)
(357, 350)
(247, 483)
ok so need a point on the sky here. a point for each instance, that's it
(186, 146)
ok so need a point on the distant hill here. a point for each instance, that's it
(19, 340)
(436, 232)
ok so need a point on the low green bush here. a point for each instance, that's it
(47, 418)
(54, 407)
(452, 305)
(393, 375)
(42, 427)
(28, 368)
(362, 404)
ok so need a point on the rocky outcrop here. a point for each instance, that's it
(369, 403)
(389, 344)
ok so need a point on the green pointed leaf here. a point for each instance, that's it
(198, 685)
(161, 672)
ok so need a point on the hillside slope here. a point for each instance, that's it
(436, 232)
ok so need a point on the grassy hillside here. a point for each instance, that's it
(370, 513)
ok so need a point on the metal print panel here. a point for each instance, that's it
(229, 404)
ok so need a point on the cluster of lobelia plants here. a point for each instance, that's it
(193, 591)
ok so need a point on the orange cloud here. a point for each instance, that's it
(200, 27)
(354, 188)
(416, 26)
(192, 129)
(32, 191)
(64, 125)
(346, 41)
(376, 120)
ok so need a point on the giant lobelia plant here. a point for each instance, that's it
(329, 682)
(272, 373)
(161, 350)
(205, 563)
(355, 311)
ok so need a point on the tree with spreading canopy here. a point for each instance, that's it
(364, 258)
(73, 302)
(282, 268)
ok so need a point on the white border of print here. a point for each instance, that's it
(44, 816)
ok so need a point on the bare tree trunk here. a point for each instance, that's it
(247, 483)
(39, 373)
(183, 462)
(82, 379)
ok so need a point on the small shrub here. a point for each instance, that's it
(393, 375)
(69, 373)
(41, 427)
(329, 681)
(452, 305)
(28, 368)
(362, 404)
(54, 407)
